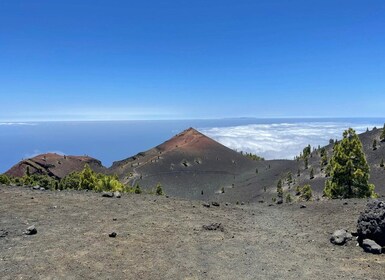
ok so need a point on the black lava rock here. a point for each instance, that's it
(371, 223)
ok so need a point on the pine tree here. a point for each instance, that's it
(374, 145)
(349, 169)
(289, 178)
(312, 174)
(306, 163)
(382, 163)
(382, 137)
(280, 189)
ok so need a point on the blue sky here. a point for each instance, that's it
(92, 60)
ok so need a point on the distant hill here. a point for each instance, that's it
(187, 165)
(54, 165)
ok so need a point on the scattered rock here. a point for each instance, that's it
(117, 194)
(340, 237)
(242, 203)
(107, 194)
(214, 226)
(302, 206)
(36, 187)
(345, 203)
(261, 201)
(371, 246)
(214, 203)
(371, 223)
(30, 230)
(279, 201)
(206, 204)
(113, 234)
(42, 189)
(3, 233)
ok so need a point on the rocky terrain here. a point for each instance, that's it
(169, 238)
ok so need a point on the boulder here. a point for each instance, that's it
(117, 194)
(371, 246)
(371, 223)
(340, 237)
(107, 194)
(206, 204)
(113, 234)
(214, 203)
(214, 226)
(30, 230)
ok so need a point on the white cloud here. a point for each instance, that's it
(280, 140)
(15, 123)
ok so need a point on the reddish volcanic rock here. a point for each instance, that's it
(54, 165)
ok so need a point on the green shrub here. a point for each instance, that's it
(4, 179)
(159, 190)
(304, 193)
(138, 190)
(288, 198)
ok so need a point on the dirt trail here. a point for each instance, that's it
(163, 238)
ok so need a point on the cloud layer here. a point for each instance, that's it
(280, 140)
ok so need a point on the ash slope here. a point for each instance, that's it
(194, 166)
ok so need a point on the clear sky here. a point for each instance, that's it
(153, 59)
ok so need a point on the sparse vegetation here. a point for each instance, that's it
(305, 192)
(159, 190)
(374, 145)
(312, 174)
(279, 189)
(382, 137)
(4, 179)
(349, 169)
(289, 178)
(288, 198)
(252, 156)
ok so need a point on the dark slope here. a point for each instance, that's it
(54, 165)
(187, 165)
(377, 173)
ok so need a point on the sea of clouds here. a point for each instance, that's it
(280, 140)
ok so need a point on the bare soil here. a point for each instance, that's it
(163, 238)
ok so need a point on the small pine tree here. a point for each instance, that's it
(306, 163)
(88, 180)
(382, 163)
(159, 190)
(349, 169)
(306, 193)
(288, 198)
(382, 137)
(298, 172)
(138, 190)
(280, 189)
(311, 174)
(289, 178)
(374, 145)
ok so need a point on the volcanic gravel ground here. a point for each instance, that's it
(163, 238)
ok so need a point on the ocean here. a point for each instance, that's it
(109, 141)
